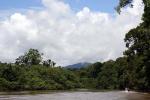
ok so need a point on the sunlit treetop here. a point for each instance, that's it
(146, 15)
(124, 3)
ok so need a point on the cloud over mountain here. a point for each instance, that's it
(67, 36)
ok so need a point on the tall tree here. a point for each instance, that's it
(138, 43)
(32, 57)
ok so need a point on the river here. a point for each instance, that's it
(113, 95)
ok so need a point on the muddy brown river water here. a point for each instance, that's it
(113, 95)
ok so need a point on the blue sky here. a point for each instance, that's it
(94, 5)
(19, 4)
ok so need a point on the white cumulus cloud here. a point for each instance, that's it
(67, 36)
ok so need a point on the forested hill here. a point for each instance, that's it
(78, 65)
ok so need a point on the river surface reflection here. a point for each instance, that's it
(116, 95)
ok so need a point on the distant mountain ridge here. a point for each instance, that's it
(78, 65)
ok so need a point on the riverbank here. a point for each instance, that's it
(52, 91)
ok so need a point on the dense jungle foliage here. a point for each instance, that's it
(29, 72)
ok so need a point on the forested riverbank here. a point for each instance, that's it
(30, 72)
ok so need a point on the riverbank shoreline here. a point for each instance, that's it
(26, 92)
(34, 92)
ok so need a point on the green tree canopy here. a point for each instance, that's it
(32, 57)
(138, 44)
